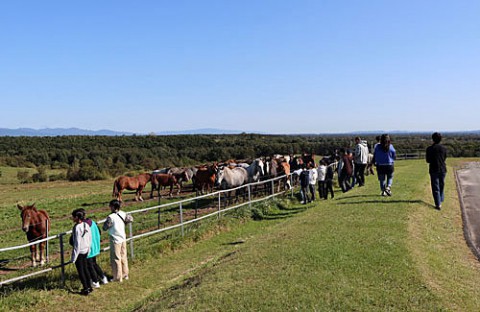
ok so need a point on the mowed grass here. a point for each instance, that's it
(359, 252)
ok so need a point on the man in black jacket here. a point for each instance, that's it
(436, 156)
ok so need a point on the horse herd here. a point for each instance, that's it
(225, 175)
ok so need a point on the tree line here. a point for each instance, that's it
(103, 157)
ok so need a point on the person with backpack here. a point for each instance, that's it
(81, 241)
(115, 225)
(304, 184)
(96, 273)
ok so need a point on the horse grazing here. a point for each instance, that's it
(164, 179)
(205, 178)
(36, 224)
(131, 183)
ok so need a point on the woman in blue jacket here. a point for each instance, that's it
(384, 158)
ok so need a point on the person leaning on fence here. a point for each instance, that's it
(96, 273)
(81, 241)
(115, 224)
(436, 155)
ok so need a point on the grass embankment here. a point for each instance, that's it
(359, 252)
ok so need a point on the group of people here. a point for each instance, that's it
(85, 237)
(351, 169)
(85, 241)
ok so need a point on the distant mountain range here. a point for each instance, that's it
(77, 131)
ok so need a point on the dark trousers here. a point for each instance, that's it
(304, 194)
(360, 173)
(311, 187)
(94, 269)
(328, 188)
(343, 181)
(322, 190)
(82, 269)
(437, 182)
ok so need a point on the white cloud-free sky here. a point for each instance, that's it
(272, 66)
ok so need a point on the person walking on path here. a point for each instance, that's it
(115, 224)
(384, 158)
(81, 241)
(361, 159)
(436, 155)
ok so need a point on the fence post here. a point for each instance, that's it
(273, 187)
(158, 218)
(291, 184)
(249, 197)
(47, 243)
(219, 204)
(181, 218)
(130, 228)
(62, 260)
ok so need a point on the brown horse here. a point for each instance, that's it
(164, 179)
(36, 224)
(205, 177)
(131, 183)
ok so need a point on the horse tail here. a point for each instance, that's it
(115, 188)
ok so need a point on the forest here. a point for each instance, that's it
(103, 157)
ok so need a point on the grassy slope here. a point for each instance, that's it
(357, 252)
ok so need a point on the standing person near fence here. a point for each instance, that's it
(384, 158)
(313, 175)
(321, 172)
(304, 183)
(361, 159)
(329, 180)
(115, 224)
(436, 155)
(96, 273)
(81, 241)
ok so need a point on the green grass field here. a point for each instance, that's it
(358, 252)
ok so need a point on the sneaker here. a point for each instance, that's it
(438, 207)
(84, 292)
(384, 193)
(96, 284)
(104, 280)
(388, 191)
(125, 277)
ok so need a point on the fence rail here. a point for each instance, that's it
(215, 196)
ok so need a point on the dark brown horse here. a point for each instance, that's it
(131, 183)
(205, 177)
(36, 224)
(164, 179)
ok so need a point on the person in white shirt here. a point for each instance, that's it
(115, 224)
(313, 179)
(321, 172)
(81, 241)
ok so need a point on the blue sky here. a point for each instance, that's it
(257, 66)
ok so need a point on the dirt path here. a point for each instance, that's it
(468, 184)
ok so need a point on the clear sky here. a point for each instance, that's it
(272, 66)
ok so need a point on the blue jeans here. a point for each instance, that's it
(437, 181)
(385, 176)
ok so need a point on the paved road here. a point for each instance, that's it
(469, 193)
